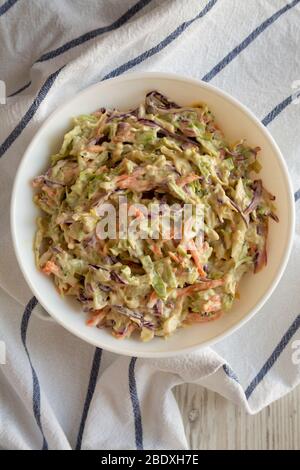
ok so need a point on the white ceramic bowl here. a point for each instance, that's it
(237, 122)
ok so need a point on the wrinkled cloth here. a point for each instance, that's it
(56, 391)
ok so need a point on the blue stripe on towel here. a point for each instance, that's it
(160, 46)
(135, 405)
(6, 6)
(30, 113)
(230, 373)
(24, 87)
(277, 110)
(95, 32)
(36, 396)
(297, 195)
(273, 357)
(248, 40)
(90, 393)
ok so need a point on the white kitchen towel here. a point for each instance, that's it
(56, 391)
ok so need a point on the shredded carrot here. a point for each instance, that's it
(153, 296)
(105, 249)
(197, 318)
(131, 181)
(152, 299)
(126, 184)
(175, 233)
(199, 287)
(135, 184)
(138, 213)
(122, 177)
(174, 257)
(156, 249)
(50, 268)
(94, 148)
(49, 191)
(194, 252)
(126, 333)
(134, 174)
(125, 181)
(187, 179)
(97, 316)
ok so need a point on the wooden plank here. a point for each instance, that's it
(211, 422)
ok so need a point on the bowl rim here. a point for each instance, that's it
(291, 215)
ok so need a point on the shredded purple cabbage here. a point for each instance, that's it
(257, 188)
(115, 277)
(156, 102)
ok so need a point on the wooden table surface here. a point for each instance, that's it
(211, 422)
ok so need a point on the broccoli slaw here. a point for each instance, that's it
(159, 156)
